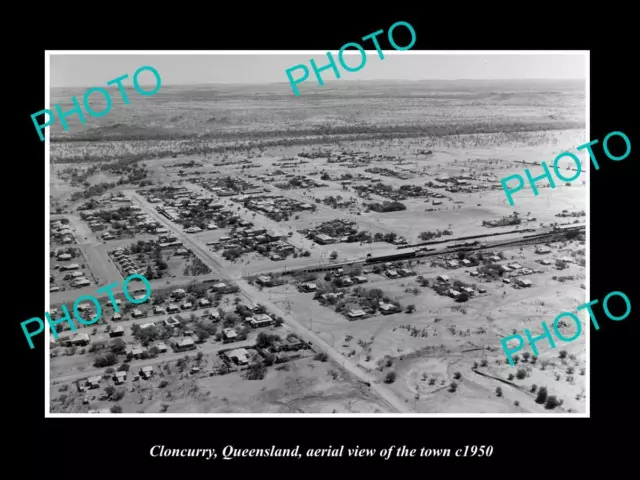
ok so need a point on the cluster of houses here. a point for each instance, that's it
(61, 232)
(260, 240)
(75, 274)
(332, 231)
(130, 218)
(273, 206)
(444, 286)
(127, 265)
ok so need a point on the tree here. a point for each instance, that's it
(453, 386)
(457, 375)
(256, 371)
(411, 308)
(526, 356)
(390, 377)
(552, 402)
(542, 395)
(510, 376)
(333, 255)
(322, 357)
(117, 345)
(116, 409)
(109, 371)
(109, 390)
(521, 374)
(534, 387)
(562, 354)
(498, 391)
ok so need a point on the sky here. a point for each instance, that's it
(87, 70)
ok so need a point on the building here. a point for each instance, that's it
(356, 314)
(80, 340)
(229, 334)
(117, 332)
(262, 320)
(239, 356)
(146, 372)
(264, 280)
(443, 278)
(324, 239)
(387, 308)
(94, 382)
(185, 344)
(119, 377)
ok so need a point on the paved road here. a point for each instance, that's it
(255, 295)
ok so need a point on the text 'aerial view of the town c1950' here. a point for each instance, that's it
(348, 250)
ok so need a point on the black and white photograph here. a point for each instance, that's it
(270, 233)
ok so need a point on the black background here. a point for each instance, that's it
(119, 447)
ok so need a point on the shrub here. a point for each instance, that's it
(521, 373)
(116, 409)
(163, 384)
(457, 375)
(117, 395)
(534, 387)
(562, 354)
(390, 377)
(499, 391)
(542, 395)
(510, 376)
(453, 386)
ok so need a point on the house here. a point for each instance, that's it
(444, 278)
(144, 326)
(138, 352)
(239, 356)
(72, 266)
(81, 282)
(387, 308)
(293, 343)
(264, 280)
(186, 306)
(453, 263)
(229, 334)
(119, 377)
(203, 302)
(179, 293)
(468, 290)
(515, 266)
(116, 317)
(262, 320)
(356, 314)
(391, 274)
(158, 310)
(64, 256)
(323, 239)
(541, 250)
(545, 262)
(482, 290)
(466, 262)
(361, 279)
(185, 344)
(194, 370)
(117, 332)
(173, 308)
(142, 298)
(347, 282)
(94, 382)
(80, 340)
(454, 293)
(309, 287)
(137, 314)
(146, 372)
(218, 287)
(523, 282)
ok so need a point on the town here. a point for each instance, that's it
(338, 252)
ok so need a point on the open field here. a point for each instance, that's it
(395, 160)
